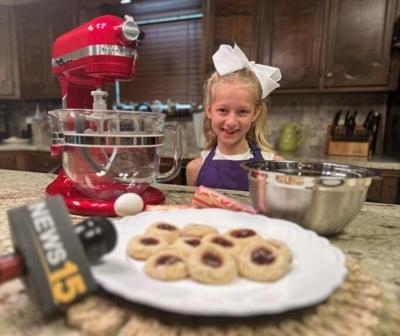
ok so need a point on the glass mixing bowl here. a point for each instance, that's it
(107, 153)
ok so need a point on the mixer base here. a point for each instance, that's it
(79, 204)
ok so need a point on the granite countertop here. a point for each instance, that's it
(372, 239)
(23, 147)
(375, 162)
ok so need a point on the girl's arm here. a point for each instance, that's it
(192, 171)
(278, 157)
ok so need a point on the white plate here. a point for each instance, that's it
(318, 268)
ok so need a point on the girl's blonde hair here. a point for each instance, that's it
(257, 130)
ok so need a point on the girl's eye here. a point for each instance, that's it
(244, 112)
(222, 110)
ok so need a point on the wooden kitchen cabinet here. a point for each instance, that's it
(358, 44)
(35, 161)
(27, 33)
(180, 179)
(35, 37)
(320, 46)
(8, 160)
(7, 68)
(228, 21)
(286, 34)
(385, 189)
(32, 51)
(294, 40)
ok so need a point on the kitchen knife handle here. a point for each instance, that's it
(11, 266)
(367, 121)
(335, 123)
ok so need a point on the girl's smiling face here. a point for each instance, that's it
(232, 112)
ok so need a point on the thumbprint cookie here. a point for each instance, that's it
(166, 265)
(143, 246)
(211, 264)
(242, 236)
(262, 261)
(225, 242)
(197, 230)
(186, 245)
(165, 230)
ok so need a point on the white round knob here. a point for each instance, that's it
(130, 29)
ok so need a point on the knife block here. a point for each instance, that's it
(348, 146)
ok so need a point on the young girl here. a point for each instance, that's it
(234, 121)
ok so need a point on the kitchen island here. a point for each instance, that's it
(370, 241)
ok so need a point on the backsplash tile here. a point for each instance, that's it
(18, 110)
(314, 112)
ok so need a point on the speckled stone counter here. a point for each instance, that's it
(372, 239)
(375, 162)
(23, 147)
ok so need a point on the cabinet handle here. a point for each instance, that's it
(329, 75)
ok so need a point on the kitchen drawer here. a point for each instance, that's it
(34, 161)
(180, 179)
(8, 160)
(385, 189)
(37, 162)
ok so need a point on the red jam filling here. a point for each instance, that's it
(243, 233)
(193, 242)
(149, 241)
(211, 260)
(223, 242)
(168, 260)
(167, 227)
(262, 256)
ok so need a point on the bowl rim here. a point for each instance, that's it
(61, 113)
(260, 167)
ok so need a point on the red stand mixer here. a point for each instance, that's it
(105, 153)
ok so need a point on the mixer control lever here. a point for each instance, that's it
(130, 29)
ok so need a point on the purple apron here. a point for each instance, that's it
(226, 174)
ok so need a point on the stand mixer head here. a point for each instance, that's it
(100, 51)
(96, 144)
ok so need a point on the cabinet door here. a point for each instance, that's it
(359, 43)
(37, 161)
(6, 53)
(30, 35)
(166, 164)
(229, 21)
(295, 42)
(61, 16)
(8, 160)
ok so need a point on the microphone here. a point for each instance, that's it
(52, 255)
(97, 235)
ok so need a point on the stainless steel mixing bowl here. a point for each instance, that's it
(323, 197)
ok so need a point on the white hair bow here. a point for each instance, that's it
(227, 60)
